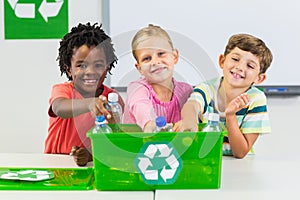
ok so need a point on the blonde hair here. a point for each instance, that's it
(147, 32)
(251, 44)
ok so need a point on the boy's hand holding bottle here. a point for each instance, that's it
(111, 109)
(97, 107)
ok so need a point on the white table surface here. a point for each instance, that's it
(257, 177)
(59, 161)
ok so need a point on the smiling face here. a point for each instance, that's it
(88, 69)
(241, 69)
(156, 59)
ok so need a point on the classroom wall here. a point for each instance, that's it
(29, 69)
(209, 24)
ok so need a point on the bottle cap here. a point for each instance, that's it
(160, 121)
(100, 119)
(213, 117)
(113, 97)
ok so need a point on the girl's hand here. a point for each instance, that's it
(237, 104)
(149, 127)
(185, 125)
(97, 107)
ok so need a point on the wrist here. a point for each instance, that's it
(90, 158)
(229, 114)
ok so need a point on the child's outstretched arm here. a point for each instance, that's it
(240, 143)
(68, 108)
(189, 115)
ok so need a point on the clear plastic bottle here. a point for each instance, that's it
(162, 126)
(213, 130)
(115, 108)
(101, 126)
(213, 124)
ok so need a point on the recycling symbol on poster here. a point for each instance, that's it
(27, 10)
(159, 163)
(35, 19)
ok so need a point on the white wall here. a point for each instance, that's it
(28, 71)
(209, 24)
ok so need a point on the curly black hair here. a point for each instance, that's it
(85, 34)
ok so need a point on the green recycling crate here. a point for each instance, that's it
(129, 159)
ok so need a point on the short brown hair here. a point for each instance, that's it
(251, 44)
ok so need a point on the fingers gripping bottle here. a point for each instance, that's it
(114, 107)
(101, 125)
(162, 126)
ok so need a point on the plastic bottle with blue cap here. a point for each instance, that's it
(101, 125)
(162, 125)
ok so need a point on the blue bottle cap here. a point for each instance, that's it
(100, 118)
(160, 121)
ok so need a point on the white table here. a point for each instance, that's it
(270, 175)
(254, 177)
(59, 161)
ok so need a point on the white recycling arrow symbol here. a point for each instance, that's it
(22, 10)
(147, 162)
(27, 10)
(169, 173)
(50, 9)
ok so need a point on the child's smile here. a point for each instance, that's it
(88, 69)
(90, 82)
(157, 70)
(237, 76)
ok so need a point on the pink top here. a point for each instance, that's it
(142, 105)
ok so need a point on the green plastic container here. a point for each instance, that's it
(132, 160)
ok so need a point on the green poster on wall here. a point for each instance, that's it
(35, 19)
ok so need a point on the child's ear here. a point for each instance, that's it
(176, 56)
(260, 78)
(221, 61)
(138, 67)
(68, 70)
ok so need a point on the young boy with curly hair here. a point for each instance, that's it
(86, 55)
